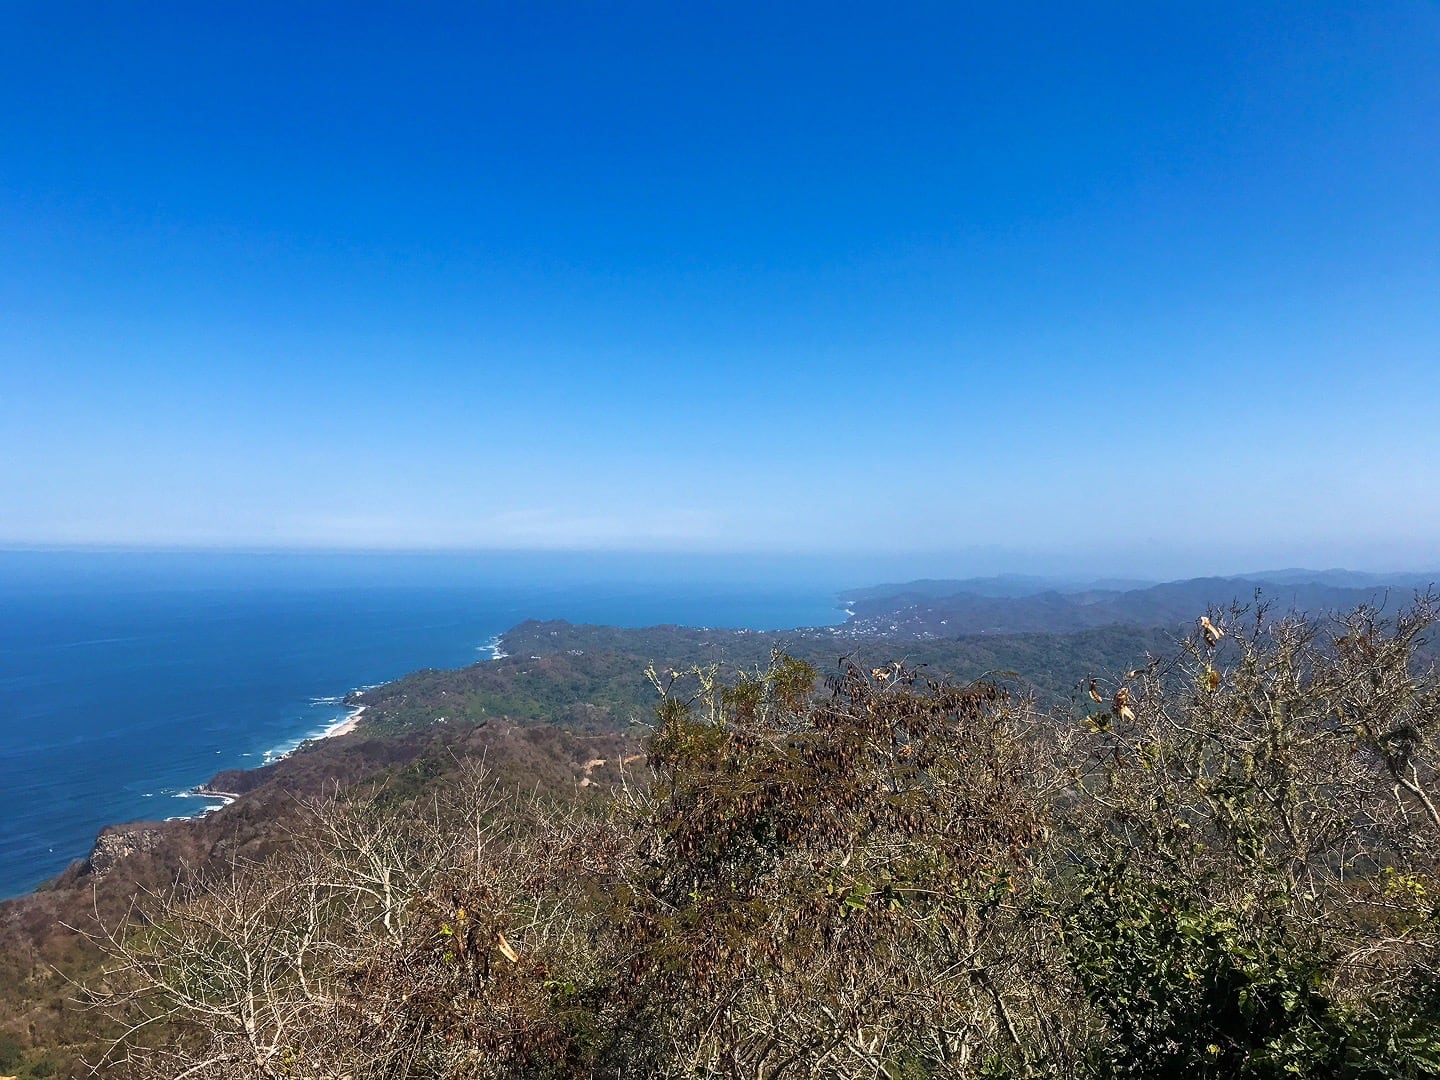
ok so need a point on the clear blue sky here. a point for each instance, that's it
(1128, 286)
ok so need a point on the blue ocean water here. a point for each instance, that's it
(117, 700)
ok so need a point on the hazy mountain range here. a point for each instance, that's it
(1019, 604)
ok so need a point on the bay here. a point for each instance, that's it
(116, 701)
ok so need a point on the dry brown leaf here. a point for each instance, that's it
(1212, 632)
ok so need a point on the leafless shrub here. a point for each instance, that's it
(435, 942)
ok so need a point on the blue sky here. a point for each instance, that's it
(1131, 288)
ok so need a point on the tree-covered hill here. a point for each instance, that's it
(1223, 865)
(1119, 852)
(592, 678)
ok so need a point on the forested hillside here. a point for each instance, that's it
(683, 852)
(1223, 866)
(592, 678)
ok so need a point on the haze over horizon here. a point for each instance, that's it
(950, 290)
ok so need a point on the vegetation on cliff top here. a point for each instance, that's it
(1225, 866)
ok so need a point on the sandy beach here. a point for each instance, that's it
(345, 726)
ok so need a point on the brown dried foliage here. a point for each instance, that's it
(880, 878)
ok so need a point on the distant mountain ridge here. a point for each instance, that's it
(1016, 604)
(1011, 586)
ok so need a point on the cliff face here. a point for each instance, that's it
(117, 842)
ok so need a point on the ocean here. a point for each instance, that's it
(122, 691)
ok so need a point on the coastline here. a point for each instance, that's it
(216, 798)
(136, 742)
(343, 726)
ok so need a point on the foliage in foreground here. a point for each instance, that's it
(1227, 869)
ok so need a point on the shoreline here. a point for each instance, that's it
(343, 726)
